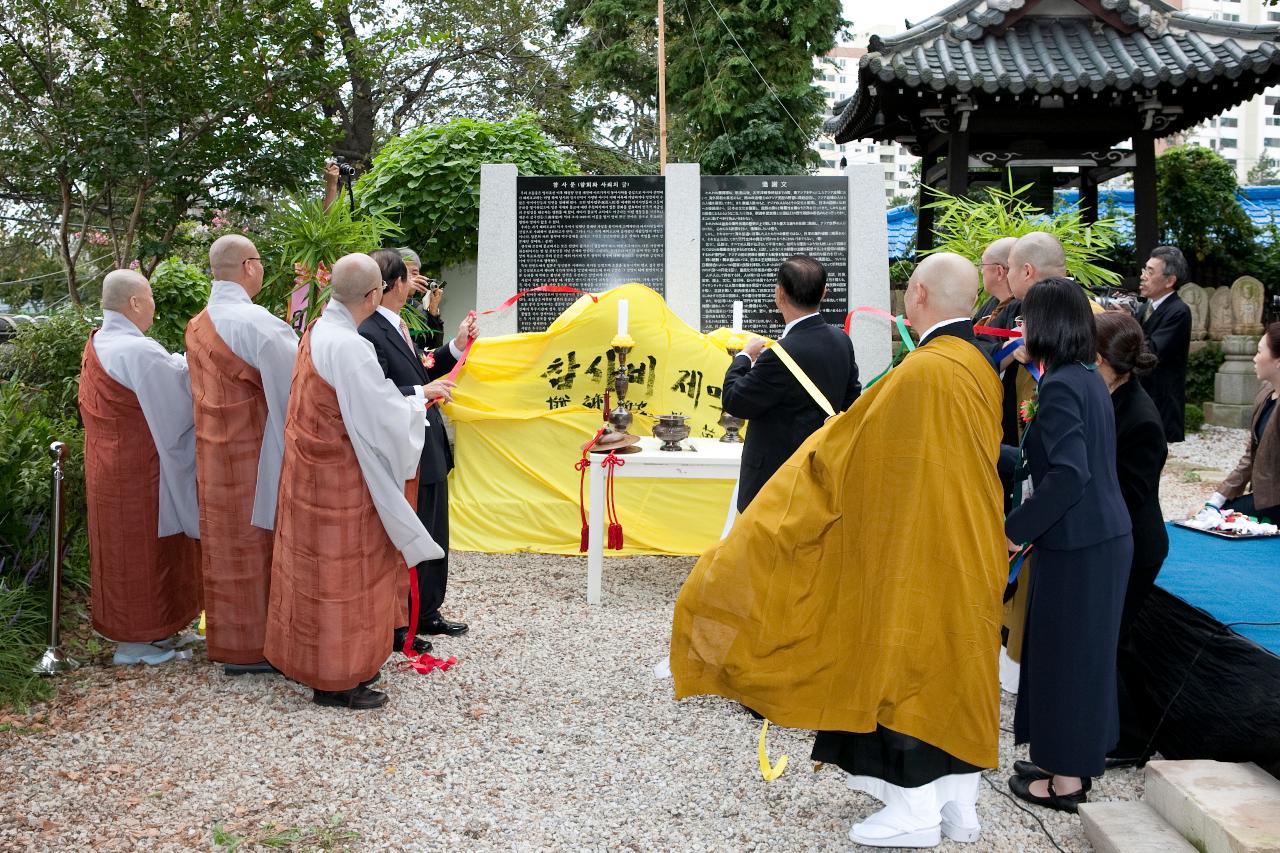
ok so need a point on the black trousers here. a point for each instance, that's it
(433, 575)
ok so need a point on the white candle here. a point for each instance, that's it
(737, 315)
(622, 316)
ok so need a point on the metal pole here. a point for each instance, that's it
(54, 659)
(662, 88)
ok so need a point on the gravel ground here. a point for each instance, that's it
(551, 733)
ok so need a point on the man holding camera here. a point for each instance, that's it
(428, 309)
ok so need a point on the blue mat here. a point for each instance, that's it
(1233, 581)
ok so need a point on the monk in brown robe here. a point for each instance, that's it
(241, 360)
(346, 534)
(859, 594)
(144, 526)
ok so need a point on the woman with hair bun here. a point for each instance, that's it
(1141, 450)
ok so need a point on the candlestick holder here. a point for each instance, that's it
(731, 423)
(620, 417)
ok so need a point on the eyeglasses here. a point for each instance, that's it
(367, 292)
(246, 260)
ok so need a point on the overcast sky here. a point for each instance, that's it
(865, 13)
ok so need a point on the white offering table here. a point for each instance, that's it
(711, 459)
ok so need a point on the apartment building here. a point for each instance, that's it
(1249, 132)
(837, 74)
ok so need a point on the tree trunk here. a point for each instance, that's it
(64, 241)
(357, 143)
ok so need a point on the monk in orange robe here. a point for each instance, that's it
(860, 592)
(241, 361)
(144, 548)
(346, 533)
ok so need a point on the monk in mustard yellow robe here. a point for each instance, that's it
(860, 592)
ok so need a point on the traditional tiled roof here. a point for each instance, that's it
(995, 46)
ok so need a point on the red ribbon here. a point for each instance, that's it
(581, 467)
(609, 463)
(423, 663)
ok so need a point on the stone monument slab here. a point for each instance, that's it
(751, 224)
(588, 232)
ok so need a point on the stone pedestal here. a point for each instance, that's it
(1235, 386)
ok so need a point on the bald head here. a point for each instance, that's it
(119, 285)
(944, 286)
(128, 292)
(995, 268)
(353, 277)
(1034, 257)
(233, 257)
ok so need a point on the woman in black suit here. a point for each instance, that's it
(1141, 450)
(1077, 521)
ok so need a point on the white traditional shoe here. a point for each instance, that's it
(128, 654)
(873, 834)
(960, 822)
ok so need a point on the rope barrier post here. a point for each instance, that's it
(54, 659)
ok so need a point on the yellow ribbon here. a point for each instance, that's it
(803, 379)
(769, 771)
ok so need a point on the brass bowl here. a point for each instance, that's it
(671, 429)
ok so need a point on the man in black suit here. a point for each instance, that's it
(419, 373)
(759, 387)
(1166, 322)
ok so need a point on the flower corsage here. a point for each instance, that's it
(1027, 410)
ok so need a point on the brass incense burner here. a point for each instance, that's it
(672, 429)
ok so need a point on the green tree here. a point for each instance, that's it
(1200, 214)
(429, 180)
(419, 61)
(119, 118)
(1265, 173)
(740, 91)
(615, 69)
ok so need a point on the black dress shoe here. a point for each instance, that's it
(1021, 787)
(259, 668)
(440, 625)
(420, 646)
(1119, 762)
(1032, 773)
(372, 680)
(359, 698)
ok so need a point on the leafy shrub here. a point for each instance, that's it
(181, 291)
(429, 180)
(304, 234)
(1202, 366)
(967, 226)
(40, 369)
(46, 356)
(1193, 418)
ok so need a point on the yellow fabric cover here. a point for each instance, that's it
(525, 404)
(863, 584)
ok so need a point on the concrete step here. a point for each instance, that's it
(1218, 807)
(1130, 827)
